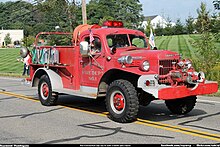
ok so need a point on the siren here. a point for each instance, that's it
(114, 24)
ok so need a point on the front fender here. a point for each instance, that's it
(55, 79)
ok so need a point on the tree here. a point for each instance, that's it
(216, 4)
(215, 26)
(159, 31)
(178, 28)
(101, 21)
(190, 25)
(28, 41)
(44, 15)
(203, 20)
(148, 27)
(13, 15)
(208, 56)
(168, 30)
(61, 13)
(216, 21)
(7, 39)
(128, 11)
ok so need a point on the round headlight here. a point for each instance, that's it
(145, 66)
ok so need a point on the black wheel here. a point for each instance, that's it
(47, 98)
(122, 101)
(181, 106)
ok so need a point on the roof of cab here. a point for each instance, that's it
(106, 31)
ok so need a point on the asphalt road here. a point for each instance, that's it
(23, 120)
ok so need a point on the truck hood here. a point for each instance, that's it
(149, 54)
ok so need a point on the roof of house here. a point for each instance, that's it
(146, 18)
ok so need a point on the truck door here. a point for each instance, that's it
(92, 66)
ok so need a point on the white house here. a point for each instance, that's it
(156, 20)
(15, 35)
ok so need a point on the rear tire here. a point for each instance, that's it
(47, 98)
(181, 106)
(122, 101)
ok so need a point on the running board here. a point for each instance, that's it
(76, 93)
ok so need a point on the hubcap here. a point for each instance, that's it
(44, 90)
(117, 102)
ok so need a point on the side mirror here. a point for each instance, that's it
(113, 50)
(84, 48)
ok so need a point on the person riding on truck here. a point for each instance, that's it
(97, 45)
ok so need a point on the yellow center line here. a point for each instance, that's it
(173, 128)
(179, 129)
(19, 96)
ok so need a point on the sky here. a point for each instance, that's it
(174, 9)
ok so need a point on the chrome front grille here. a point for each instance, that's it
(165, 66)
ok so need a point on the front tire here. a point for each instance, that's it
(122, 101)
(181, 106)
(45, 92)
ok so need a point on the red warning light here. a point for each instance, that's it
(115, 24)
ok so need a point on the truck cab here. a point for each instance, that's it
(118, 65)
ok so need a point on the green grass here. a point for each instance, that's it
(8, 62)
(178, 43)
(164, 42)
(191, 49)
(173, 44)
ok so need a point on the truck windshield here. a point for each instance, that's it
(124, 40)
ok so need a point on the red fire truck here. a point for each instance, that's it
(116, 64)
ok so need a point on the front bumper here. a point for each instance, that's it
(208, 87)
(164, 92)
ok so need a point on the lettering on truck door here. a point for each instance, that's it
(93, 66)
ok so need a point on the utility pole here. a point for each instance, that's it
(84, 12)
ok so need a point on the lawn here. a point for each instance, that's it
(8, 62)
(178, 43)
